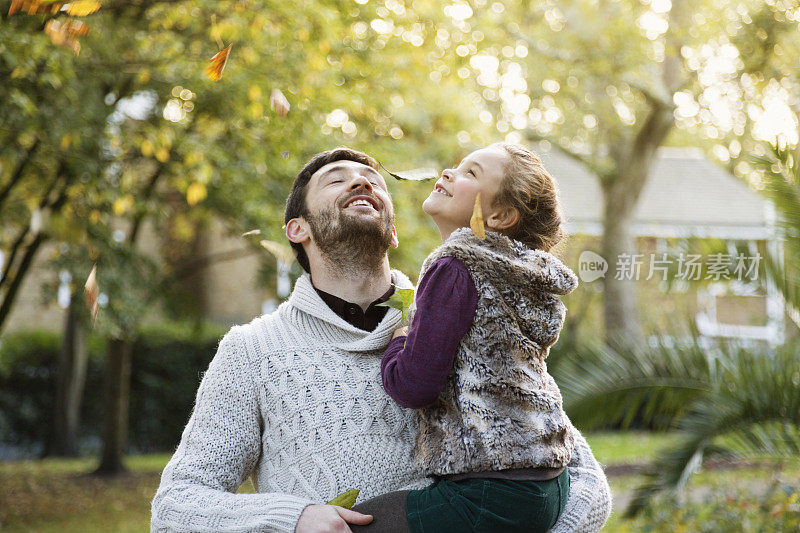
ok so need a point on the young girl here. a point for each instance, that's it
(492, 432)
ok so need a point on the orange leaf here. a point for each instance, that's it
(65, 33)
(34, 7)
(92, 291)
(476, 222)
(218, 62)
(279, 103)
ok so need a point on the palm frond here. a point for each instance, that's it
(754, 410)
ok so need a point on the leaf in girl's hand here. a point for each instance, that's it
(92, 291)
(218, 62)
(283, 253)
(417, 174)
(81, 8)
(346, 499)
(401, 300)
(476, 222)
(251, 232)
(279, 103)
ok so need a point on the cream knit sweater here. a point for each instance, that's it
(294, 401)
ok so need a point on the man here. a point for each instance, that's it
(294, 398)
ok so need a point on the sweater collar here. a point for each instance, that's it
(339, 332)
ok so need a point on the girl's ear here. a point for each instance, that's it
(502, 218)
(297, 230)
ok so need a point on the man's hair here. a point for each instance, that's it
(296, 202)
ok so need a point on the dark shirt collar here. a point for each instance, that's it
(353, 314)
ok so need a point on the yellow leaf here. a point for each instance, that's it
(254, 92)
(81, 8)
(346, 499)
(34, 7)
(66, 140)
(143, 76)
(218, 62)
(92, 291)
(162, 154)
(476, 222)
(122, 204)
(147, 148)
(196, 193)
(65, 33)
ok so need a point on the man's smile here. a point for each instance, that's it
(362, 201)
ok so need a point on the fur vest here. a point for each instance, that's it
(500, 409)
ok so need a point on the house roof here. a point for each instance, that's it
(686, 195)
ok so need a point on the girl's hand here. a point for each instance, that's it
(400, 332)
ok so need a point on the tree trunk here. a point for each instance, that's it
(70, 381)
(117, 399)
(622, 324)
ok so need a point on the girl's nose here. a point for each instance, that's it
(447, 174)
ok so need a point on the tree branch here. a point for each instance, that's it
(19, 172)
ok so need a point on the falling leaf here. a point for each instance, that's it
(218, 62)
(196, 193)
(81, 8)
(476, 222)
(401, 300)
(417, 174)
(285, 155)
(65, 33)
(34, 7)
(279, 103)
(283, 253)
(92, 291)
(346, 499)
(251, 232)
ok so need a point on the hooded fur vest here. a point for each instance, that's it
(500, 408)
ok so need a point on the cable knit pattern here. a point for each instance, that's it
(293, 400)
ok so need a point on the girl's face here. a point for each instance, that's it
(452, 200)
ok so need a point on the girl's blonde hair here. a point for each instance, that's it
(532, 191)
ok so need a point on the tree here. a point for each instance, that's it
(606, 83)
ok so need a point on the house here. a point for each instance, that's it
(689, 197)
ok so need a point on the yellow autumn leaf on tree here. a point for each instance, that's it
(218, 62)
(162, 154)
(476, 222)
(147, 148)
(196, 193)
(34, 7)
(122, 204)
(65, 33)
(81, 8)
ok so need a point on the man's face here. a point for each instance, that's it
(349, 211)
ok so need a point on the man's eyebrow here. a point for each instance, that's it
(341, 166)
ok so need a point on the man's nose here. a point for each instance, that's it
(360, 181)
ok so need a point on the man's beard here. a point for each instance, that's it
(351, 244)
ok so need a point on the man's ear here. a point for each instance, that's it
(395, 241)
(502, 219)
(297, 230)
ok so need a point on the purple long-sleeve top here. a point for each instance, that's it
(414, 369)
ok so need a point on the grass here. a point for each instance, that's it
(60, 494)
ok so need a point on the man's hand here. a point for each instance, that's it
(400, 332)
(329, 519)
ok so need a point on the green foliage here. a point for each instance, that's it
(731, 510)
(400, 300)
(168, 362)
(727, 401)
